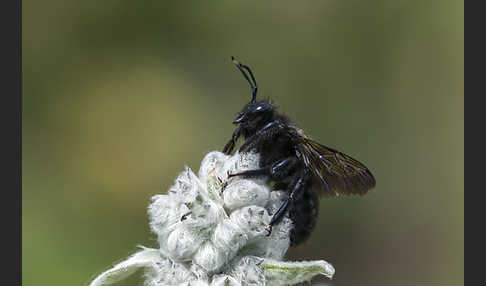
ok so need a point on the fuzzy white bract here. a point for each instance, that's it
(213, 230)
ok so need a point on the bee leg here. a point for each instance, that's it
(252, 173)
(299, 186)
(228, 148)
(280, 212)
(283, 168)
(269, 231)
(275, 171)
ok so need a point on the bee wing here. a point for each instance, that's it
(338, 172)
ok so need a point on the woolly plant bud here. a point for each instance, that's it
(182, 243)
(229, 236)
(210, 257)
(241, 193)
(214, 230)
(253, 220)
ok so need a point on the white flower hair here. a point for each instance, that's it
(214, 230)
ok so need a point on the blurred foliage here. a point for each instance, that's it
(119, 95)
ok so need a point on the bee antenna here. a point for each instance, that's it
(252, 82)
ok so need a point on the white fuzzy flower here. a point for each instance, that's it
(213, 230)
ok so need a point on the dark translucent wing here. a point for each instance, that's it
(338, 173)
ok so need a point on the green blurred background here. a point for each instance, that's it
(119, 95)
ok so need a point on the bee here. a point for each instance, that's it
(294, 162)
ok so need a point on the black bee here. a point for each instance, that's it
(294, 162)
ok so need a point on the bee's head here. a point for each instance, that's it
(255, 111)
(255, 114)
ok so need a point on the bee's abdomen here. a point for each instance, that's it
(303, 213)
